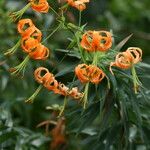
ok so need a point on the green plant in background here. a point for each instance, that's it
(111, 115)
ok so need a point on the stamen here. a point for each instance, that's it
(12, 50)
(20, 68)
(33, 96)
(18, 14)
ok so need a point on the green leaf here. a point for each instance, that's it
(6, 136)
(89, 131)
(145, 65)
(65, 71)
(112, 135)
(88, 116)
(122, 43)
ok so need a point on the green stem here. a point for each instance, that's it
(85, 98)
(64, 106)
(80, 15)
(64, 7)
(108, 82)
(136, 81)
(95, 58)
(54, 11)
(33, 96)
(71, 86)
(59, 26)
(80, 48)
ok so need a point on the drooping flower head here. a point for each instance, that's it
(96, 41)
(40, 52)
(27, 29)
(127, 59)
(89, 73)
(47, 79)
(40, 5)
(30, 41)
(78, 4)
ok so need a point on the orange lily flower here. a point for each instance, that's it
(136, 54)
(40, 52)
(23, 25)
(51, 84)
(96, 74)
(96, 41)
(27, 29)
(43, 76)
(78, 4)
(82, 73)
(89, 73)
(127, 59)
(40, 5)
(60, 88)
(34, 33)
(29, 44)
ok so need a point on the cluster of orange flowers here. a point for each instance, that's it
(31, 38)
(127, 59)
(101, 41)
(49, 82)
(96, 41)
(42, 6)
(78, 4)
(92, 41)
(89, 73)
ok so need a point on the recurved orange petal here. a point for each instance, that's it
(29, 44)
(40, 53)
(41, 74)
(40, 5)
(23, 25)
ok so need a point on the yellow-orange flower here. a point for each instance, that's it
(125, 60)
(27, 29)
(82, 73)
(40, 5)
(89, 73)
(96, 75)
(31, 38)
(96, 41)
(29, 44)
(47, 79)
(40, 52)
(42, 74)
(23, 25)
(78, 4)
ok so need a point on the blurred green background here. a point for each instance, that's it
(19, 120)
